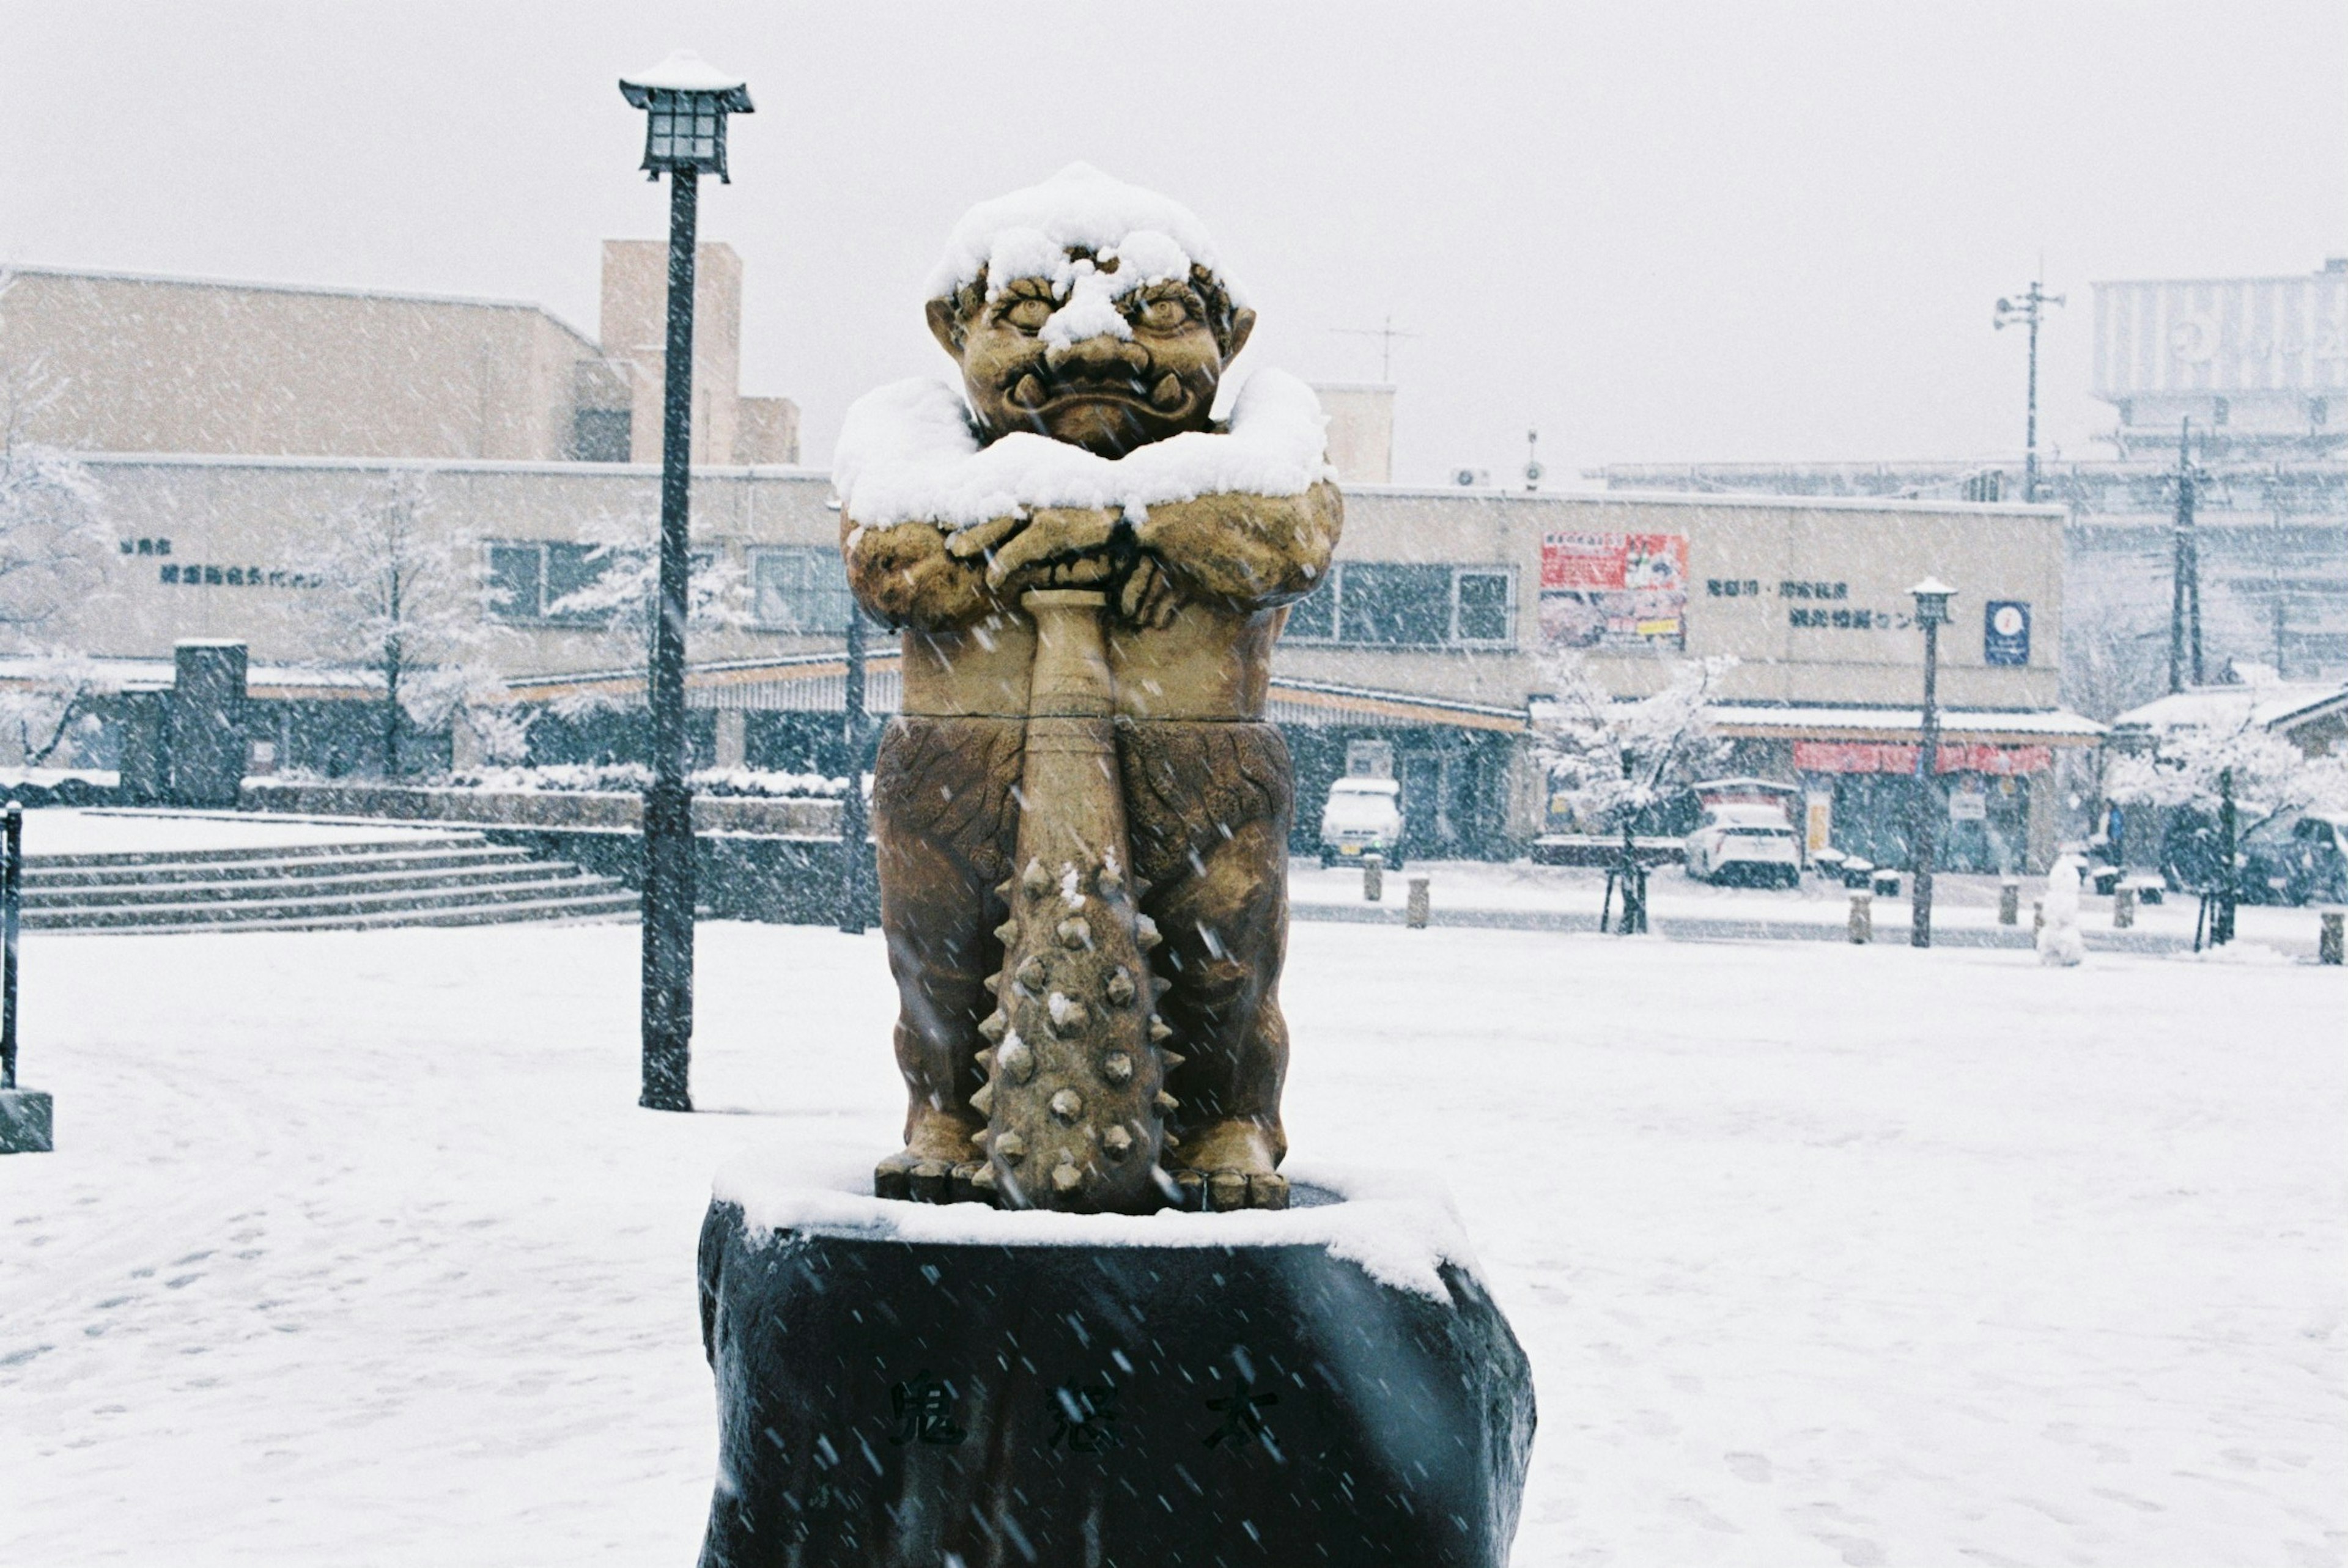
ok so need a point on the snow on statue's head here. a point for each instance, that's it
(1089, 310)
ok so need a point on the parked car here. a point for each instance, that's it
(1363, 816)
(1746, 843)
(2299, 859)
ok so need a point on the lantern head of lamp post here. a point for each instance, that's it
(687, 100)
(1933, 597)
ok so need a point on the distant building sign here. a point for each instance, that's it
(1615, 591)
(1899, 757)
(2005, 632)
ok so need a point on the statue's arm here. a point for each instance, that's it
(1244, 552)
(904, 575)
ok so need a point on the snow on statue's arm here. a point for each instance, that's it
(938, 530)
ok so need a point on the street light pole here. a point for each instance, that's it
(687, 103)
(852, 830)
(2028, 309)
(1931, 598)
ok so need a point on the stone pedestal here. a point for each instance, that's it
(1155, 1392)
(26, 1122)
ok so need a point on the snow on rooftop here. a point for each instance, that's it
(685, 72)
(1029, 233)
(2264, 703)
(908, 452)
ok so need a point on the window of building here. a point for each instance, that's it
(530, 579)
(800, 588)
(1486, 612)
(1410, 604)
(602, 434)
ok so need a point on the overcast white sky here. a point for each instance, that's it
(1708, 230)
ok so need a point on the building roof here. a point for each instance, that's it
(110, 673)
(1772, 500)
(2280, 706)
(470, 302)
(2039, 726)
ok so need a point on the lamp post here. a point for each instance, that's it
(1931, 597)
(852, 829)
(686, 102)
(2027, 310)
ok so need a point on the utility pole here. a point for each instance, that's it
(2026, 310)
(2184, 574)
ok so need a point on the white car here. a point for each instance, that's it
(1363, 816)
(1746, 843)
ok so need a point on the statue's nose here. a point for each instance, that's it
(1100, 355)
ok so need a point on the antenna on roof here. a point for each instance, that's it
(1386, 336)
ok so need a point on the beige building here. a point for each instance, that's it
(1423, 656)
(107, 362)
(236, 433)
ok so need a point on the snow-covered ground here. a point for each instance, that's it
(356, 1251)
(60, 831)
(1961, 902)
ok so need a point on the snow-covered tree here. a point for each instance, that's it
(2226, 780)
(402, 602)
(53, 546)
(623, 588)
(1613, 762)
(52, 538)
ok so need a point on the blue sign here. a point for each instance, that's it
(2005, 632)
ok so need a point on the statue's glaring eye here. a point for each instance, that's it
(1027, 313)
(1163, 312)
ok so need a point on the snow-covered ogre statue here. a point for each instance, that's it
(1082, 814)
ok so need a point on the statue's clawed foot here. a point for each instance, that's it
(1227, 1165)
(940, 1163)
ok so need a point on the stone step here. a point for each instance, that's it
(301, 906)
(42, 875)
(249, 890)
(597, 908)
(108, 858)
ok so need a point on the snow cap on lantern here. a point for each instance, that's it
(1029, 234)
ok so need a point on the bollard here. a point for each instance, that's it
(2037, 917)
(2327, 947)
(1863, 915)
(1374, 878)
(1416, 916)
(2009, 901)
(28, 1117)
(2123, 908)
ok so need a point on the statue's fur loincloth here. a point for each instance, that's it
(1208, 808)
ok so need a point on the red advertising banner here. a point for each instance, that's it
(1895, 757)
(1613, 590)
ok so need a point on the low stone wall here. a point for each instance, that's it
(755, 857)
(766, 815)
(739, 877)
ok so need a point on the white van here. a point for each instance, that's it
(1363, 816)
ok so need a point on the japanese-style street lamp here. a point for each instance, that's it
(686, 101)
(1931, 597)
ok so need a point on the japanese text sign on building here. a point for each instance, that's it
(1902, 757)
(1613, 590)
(2005, 632)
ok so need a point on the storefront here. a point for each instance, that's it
(2004, 779)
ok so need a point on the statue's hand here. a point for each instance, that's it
(1040, 545)
(1148, 598)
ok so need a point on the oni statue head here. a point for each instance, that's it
(1087, 311)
